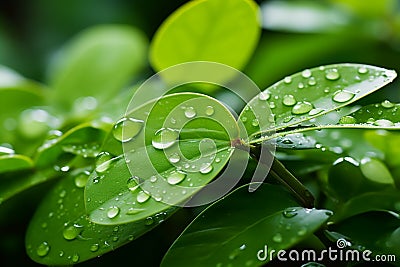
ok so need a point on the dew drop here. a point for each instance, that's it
(206, 168)
(302, 231)
(315, 111)
(342, 96)
(306, 73)
(332, 75)
(43, 249)
(209, 110)
(75, 258)
(312, 81)
(289, 213)
(133, 211)
(112, 212)
(132, 183)
(103, 162)
(149, 221)
(254, 123)
(287, 119)
(190, 112)
(176, 177)
(300, 85)
(174, 158)
(287, 80)
(362, 70)
(289, 100)
(263, 96)
(243, 119)
(387, 104)
(302, 108)
(94, 247)
(71, 232)
(383, 123)
(153, 179)
(165, 138)
(347, 120)
(142, 197)
(81, 179)
(62, 194)
(277, 238)
(126, 129)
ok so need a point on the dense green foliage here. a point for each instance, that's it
(87, 173)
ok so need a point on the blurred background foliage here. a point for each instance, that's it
(297, 34)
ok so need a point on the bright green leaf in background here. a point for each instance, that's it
(233, 230)
(224, 31)
(173, 146)
(96, 65)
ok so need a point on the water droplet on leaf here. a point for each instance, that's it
(277, 238)
(302, 108)
(289, 100)
(289, 213)
(206, 168)
(176, 177)
(332, 74)
(190, 112)
(142, 197)
(342, 96)
(165, 138)
(43, 249)
(112, 212)
(126, 129)
(209, 110)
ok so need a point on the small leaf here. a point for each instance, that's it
(236, 228)
(12, 183)
(172, 148)
(383, 239)
(97, 63)
(312, 93)
(211, 30)
(14, 162)
(61, 234)
(83, 140)
(388, 200)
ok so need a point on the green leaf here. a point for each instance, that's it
(97, 63)
(61, 234)
(16, 96)
(376, 231)
(208, 30)
(310, 94)
(83, 140)
(388, 200)
(289, 16)
(14, 162)
(172, 148)
(234, 229)
(12, 183)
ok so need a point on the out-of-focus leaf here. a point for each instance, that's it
(96, 64)
(302, 16)
(60, 232)
(224, 31)
(12, 183)
(173, 147)
(376, 231)
(14, 163)
(235, 229)
(372, 201)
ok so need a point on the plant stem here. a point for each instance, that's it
(283, 175)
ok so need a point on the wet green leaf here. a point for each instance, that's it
(312, 93)
(211, 30)
(83, 140)
(97, 63)
(14, 163)
(60, 232)
(235, 229)
(172, 148)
